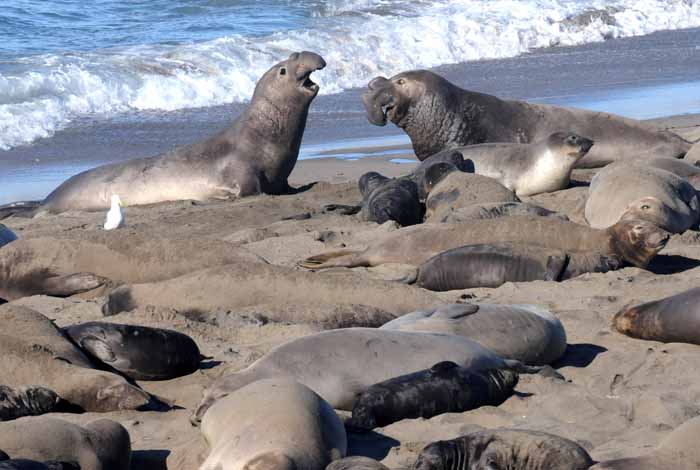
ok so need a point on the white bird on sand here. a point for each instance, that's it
(115, 216)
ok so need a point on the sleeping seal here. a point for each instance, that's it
(254, 155)
(275, 424)
(139, 352)
(674, 319)
(528, 169)
(511, 449)
(438, 115)
(368, 356)
(526, 333)
(444, 388)
(637, 242)
(628, 190)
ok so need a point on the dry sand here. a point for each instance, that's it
(620, 396)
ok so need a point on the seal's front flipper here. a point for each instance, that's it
(71, 284)
(341, 209)
(98, 348)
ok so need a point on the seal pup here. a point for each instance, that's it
(681, 168)
(433, 169)
(639, 191)
(493, 210)
(637, 242)
(544, 166)
(495, 264)
(138, 352)
(115, 216)
(526, 333)
(256, 154)
(368, 355)
(99, 445)
(458, 189)
(26, 401)
(444, 388)
(33, 352)
(510, 449)
(674, 319)
(438, 115)
(275, 423)
(6, 235)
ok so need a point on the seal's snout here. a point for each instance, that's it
(586, 144)
(307, 63)
(379, 103)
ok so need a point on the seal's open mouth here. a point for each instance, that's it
(307, 83)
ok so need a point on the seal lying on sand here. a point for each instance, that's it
(26, 401)
(434, 169)
(34, 352)
(99, 445)
(677, 451)
(368, 355)
(356, 462)
(682, 168)
(275, 423)
(637, 242)
(526, 333)
(493, 210)
(438, 115)
(254, 155)
(639, 191)
(674, 319)
(504, 448)
(528, 169)
(444, 388)
(139, 352)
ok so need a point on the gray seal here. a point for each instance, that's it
(438, 115)
(139, 352)
(686, 170)
(254, 155)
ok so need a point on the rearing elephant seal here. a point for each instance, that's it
(438, 115)
(254, 155)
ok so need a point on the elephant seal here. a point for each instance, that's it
(274, 423)
(639, 191)
(544, 166)
(438, 115)
(356, 462)
(368, 355)
(6, 235)
(434, 169)
(458, 189)
(100, 445)
(444, 388)
(674, 319)
(26, 401)
(393, 199)
(493, 265)
(33, 352)
(637, 242)
(504, 448)
(139, 352)
(493, 210)
(681, 168)
(24, 464)
(254, 155)
(526, 333)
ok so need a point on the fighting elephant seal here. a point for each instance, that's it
(492, 265)
(139, 352)
(504, 449)
(368, 355)
(438, 115)
(99, 445)
(637, 242)
(26, 401)
(444, 388)
(275, 423)
(254, 155)
(639, 191)
(527, 333)
(544, 166)
(33, 352)
(674, 319)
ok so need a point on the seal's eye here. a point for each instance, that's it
(283, 71)
(401, 81)
(646, 207)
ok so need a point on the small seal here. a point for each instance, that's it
(444, 388)
(390, 199)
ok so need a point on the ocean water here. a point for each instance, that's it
(68, 61)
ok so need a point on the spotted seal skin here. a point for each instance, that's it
(438, 115)
(674, 319)
(502, 449)
(139, 352)
(26, 401)
(444, 388)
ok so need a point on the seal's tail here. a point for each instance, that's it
(19, 209)
(333, 259)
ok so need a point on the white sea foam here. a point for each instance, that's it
(358, 38)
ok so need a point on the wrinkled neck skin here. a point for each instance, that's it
(634, 255)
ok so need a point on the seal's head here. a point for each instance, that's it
(290, 79)
(637, 241)
(573, 146)
(392, 98)
(370, 181)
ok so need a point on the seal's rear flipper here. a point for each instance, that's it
(545, 371)
(333, 259)
(71, 284)
(19, 209)
(342, 209)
